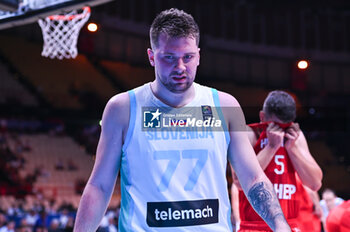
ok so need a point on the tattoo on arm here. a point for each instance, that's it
(265, 203)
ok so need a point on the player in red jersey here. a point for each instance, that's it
(310, 212)
(338, 219)
(283, 153)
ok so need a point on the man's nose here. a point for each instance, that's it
(180, 65)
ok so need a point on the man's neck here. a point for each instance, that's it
(172, 99)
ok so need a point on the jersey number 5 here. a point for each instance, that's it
(278, 162)
(174, 157)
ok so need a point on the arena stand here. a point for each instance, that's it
(42, 168)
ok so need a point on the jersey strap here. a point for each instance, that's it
(132, 118)
(221, 115)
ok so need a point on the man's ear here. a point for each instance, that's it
(199, 56)
(262, 116)
(150, 56)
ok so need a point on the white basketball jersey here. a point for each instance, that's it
(174, 179)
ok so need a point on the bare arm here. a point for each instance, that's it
(99, 188)
(253, 180)
(304, 164)
(256, 186)
(316, 202)
(235, 205)
(275, 138)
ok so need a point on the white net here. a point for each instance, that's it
(60, 33)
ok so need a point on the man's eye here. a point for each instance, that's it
(188, 58)
(169, 57)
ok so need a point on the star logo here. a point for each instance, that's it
(151, 118)
(156, 115)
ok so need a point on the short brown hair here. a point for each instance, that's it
(281, 104)
(174, 23)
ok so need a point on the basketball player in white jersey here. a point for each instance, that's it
(174, 180)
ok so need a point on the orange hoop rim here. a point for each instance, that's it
(86, 10)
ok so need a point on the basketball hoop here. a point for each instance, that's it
(60, 33)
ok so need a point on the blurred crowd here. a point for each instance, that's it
(23, 208)
(45, 215)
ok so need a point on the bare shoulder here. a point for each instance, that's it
(227, 99)
(301, 141)
(232, 112)
(118, 101)
(116, 112)
(251, 135)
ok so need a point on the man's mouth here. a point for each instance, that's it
(179, 78)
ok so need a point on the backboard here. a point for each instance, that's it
(20, 12)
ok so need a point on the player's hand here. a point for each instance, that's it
(235, 225)
(291, 135)
(275, 135)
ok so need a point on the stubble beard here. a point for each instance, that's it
(176, 87)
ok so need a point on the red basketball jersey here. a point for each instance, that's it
(338, 219)
(281, 173)
(308, 221)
